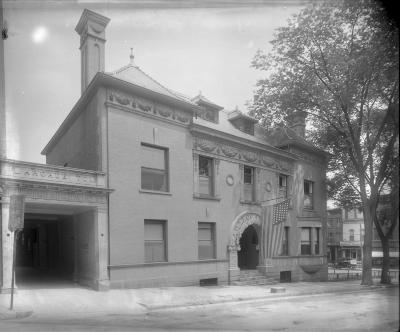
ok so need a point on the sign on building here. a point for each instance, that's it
(17, 209)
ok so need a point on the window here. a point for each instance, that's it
(316, 241)
(351, 237)
(306, 241)
(282, 185)
(206, 240)
(308, 194)
(248, 184)
(154, 168)
(154, 241)
(285, 243)
(206, 183)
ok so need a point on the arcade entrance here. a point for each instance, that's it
(45, 253)
(248, 254)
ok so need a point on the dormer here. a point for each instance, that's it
(209, 110)
(242, 121)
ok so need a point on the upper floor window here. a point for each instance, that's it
(154, 171)
(308, 194)
(283, 180)
(306, 241)
(154, 241)
(351, 237)
(206, 237)
(206, 176)
(248, 184)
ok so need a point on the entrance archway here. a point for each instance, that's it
(248, 253)
(239, 227)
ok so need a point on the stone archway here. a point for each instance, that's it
(241, 222)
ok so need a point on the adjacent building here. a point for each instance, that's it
(334, 235)
(144, 186)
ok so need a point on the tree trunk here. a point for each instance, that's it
(369, 207)
(385, 278)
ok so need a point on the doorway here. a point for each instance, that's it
(45, 252)
(248, 254)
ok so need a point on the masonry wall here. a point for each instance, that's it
(79, 146)
(130, 206)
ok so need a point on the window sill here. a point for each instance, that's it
(206, 197)
(154, 192)
(251, 203)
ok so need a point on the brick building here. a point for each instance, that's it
(144, 186)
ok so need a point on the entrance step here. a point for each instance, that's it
(253, 277)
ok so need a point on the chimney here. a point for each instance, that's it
(297, 122)
(91, 28)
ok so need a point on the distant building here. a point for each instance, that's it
(334, 235)
(345, 239)
(353, 234)
(146, 187)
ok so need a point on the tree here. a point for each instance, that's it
(338, 62)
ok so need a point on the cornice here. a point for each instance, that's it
(212, 133)
(103, 79)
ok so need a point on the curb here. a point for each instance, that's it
(274, 296)
(11, 314)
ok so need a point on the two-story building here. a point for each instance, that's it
(334, 235)
(144, 186)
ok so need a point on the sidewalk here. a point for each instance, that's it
(77, 301)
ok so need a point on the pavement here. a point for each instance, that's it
(73, 300)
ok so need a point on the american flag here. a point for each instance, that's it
(280, 212)
(272, 228)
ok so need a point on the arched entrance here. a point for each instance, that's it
(245, 232)
(248, 253)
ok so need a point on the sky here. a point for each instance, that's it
(187, 49)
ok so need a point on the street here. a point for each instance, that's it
(360, 311)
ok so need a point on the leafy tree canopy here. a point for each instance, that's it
(338, 61)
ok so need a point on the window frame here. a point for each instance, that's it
(317, 241)
(285, 242)
(283, 188)
(305, 244)
(351, 235)
(163, 223)
(165, 170)
(248, 185)
(212, 228)
(310, 195)
(210, 176)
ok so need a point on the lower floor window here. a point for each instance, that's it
(316, 241)
(306, 241)
(285, 242)
(154, 241)
(206, 237)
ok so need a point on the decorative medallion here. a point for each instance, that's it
(268, 186)
(229, 180)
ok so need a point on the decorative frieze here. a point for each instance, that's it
(228, 151)
(56, 193)
(145, 106)
(52, 174)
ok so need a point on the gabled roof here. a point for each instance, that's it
(133, 74)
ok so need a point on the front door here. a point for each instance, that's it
(248, 254)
